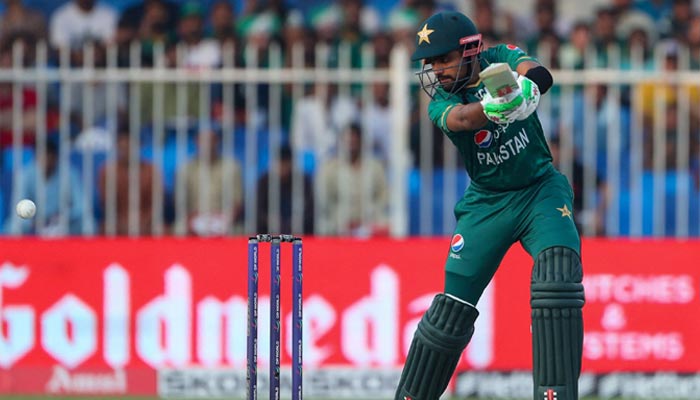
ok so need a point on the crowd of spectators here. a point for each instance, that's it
(620, 34)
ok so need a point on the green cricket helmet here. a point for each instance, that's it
(440, 34)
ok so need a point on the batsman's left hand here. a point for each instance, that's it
(504, 109)
(531, 94)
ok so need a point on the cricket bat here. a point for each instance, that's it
(498, 79)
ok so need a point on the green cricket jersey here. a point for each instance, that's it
(496, 158)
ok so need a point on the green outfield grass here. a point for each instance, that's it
(157, 398)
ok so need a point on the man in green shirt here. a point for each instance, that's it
(516, 195)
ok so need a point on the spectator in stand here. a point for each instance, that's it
(484, 17)
(547, 49)
(634, 28)
(576, 122)
(604, 36)
(423, 8)
(221, 19)
(213, 185)
(20, 19)
(649, 92)
(325, 21)
(354, 198)
(259, 32)
(676, 25)
(131, 219)
(151, 17)
(79, 22)
(637, 35)
(73, 27)
(200, 52)
(500, 25)
(546, 39)
(692, 40)
(358, 23)
(290, 206)
(382, 44)
(172, 115)
(658, 10)
(278, 8)
(124, 36)
(402, 28)
(362, 16)
(321, 113)
(151, 22)
(296, 34)
(317, 120)
(622, 7)
(665, 158)
(27, 105)
(52, 218)
(354, 29)
(572, 53)
(595, 213)
(667, 143)
(377, 114)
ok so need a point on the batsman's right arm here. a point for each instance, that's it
(466, 117)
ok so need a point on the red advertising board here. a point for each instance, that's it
(104, 314)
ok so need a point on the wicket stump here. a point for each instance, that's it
(275, 314)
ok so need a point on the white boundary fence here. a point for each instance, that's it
(638, 174)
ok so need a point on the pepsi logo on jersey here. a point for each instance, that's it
(483, 138)
(457, 243)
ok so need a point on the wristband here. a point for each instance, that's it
(542, 78)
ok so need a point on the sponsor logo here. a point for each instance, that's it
(201, 382)
(457, 243)
(126, 319)
(330, 382)
(469, 39)
(638, 385)
(550, 395)
(63, 380)
(512, 47)
(509, 149)
(483, 138)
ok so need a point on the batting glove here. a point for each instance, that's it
(504, 109)
(531, 94)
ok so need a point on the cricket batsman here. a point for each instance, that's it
(515, 194)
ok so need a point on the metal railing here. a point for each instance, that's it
(631, 152)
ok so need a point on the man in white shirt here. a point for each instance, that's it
(200, 52)
(354, 191)
(82, 21)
